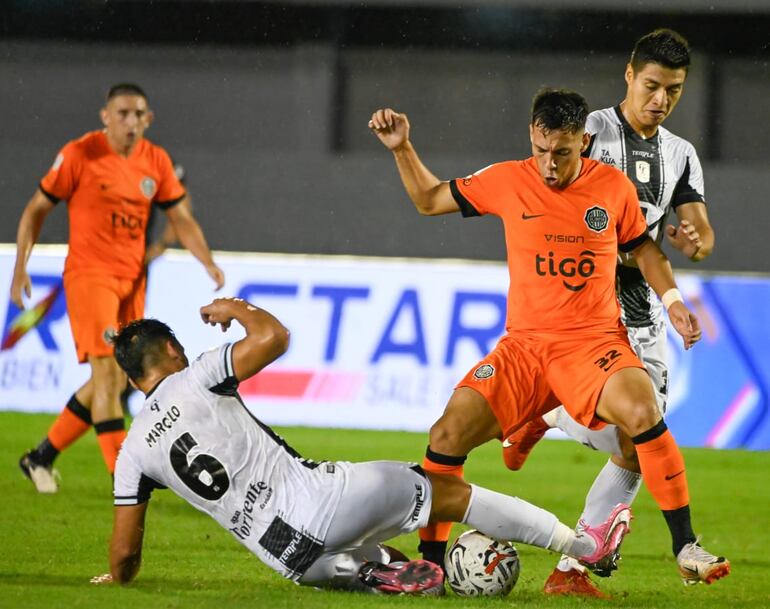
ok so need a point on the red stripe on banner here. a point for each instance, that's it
(276, 383)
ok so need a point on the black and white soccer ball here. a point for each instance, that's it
(477, 565)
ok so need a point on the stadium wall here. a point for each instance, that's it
(279, 158)
(379, 342)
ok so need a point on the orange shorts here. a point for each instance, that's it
(527, 375)
(98, 305)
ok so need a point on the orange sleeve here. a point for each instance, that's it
(477, 194)
(170, 190)
(632, 227)
(62, 178)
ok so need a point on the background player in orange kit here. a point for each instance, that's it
(110, 179)
(564, 218)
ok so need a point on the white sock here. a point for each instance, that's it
(513, 519)
(612, 485)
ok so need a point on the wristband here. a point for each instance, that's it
(670, 297)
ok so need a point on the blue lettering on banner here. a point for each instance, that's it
(267, 289)
(407, 312)
(338, 296)
(483, 337)
(409, 304)
(57, 311)
(30, 375)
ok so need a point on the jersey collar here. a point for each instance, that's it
(627, 126)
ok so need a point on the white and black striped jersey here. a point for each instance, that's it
(666, 172)
(195, 436)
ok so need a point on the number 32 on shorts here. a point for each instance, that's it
(608, 360)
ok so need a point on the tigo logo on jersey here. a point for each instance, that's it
(597, 218)
(566, 267)
(484, 371)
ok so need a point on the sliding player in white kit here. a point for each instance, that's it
(319, 524)
(667, 174)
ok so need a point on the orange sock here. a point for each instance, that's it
(663, 468)
(71, 423)
(110, 435)
(447, 465)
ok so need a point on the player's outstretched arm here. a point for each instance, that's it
(126, 544)
(266, 337)
(694, 236)
(430, 195)
(656, 270)
(30, 224)
(191, 236)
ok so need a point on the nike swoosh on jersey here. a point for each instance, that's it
(530, 217)
(674, 476)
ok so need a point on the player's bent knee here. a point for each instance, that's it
(445, 439)
(636, 417)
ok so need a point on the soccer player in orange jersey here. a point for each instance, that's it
(110, 179)
(667, 174)
(565, 218)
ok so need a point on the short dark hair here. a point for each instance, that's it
(139, 344)
(559, 110)
(126, 88)
(663, 46)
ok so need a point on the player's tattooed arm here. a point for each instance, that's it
(266, 337)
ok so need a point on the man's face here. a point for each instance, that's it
(126, 117)
(652, 94)
(179, 355)
(557, 154)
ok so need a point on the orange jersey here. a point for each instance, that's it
(108, 201)
(562, 244)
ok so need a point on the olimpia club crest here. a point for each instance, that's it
(643, 171)
(484, 371)
(597, 218)
(148, 187)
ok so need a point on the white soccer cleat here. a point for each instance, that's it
(696, 565)
(45, 478)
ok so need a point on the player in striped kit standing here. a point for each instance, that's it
(667, 174)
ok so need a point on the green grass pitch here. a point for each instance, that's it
(52, 545)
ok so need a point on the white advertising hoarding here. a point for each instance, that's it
(376, 343)
(380, 343)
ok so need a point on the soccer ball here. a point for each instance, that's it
(477, 565)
